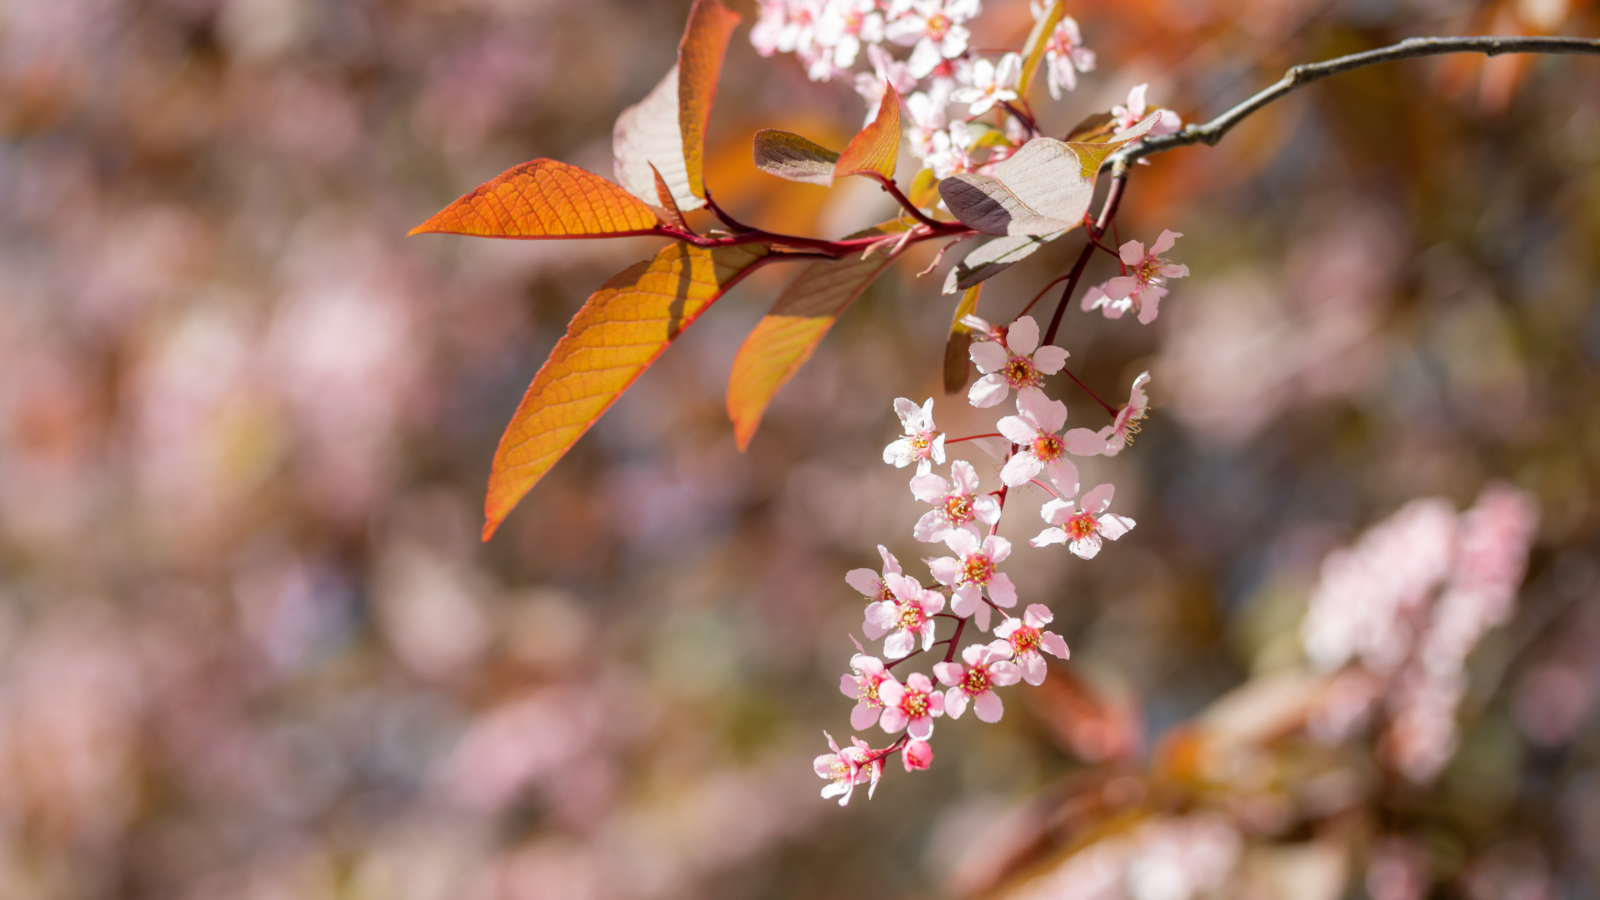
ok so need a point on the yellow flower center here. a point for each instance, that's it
(938, 26)
(1048, 447)
(1020, 373)
(976, 681)
(911, 617)
(914, 704)
(958, 508)
(978, 569)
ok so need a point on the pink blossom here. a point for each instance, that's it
(922, 443)
(869, 583)
(908, 615)
(869, 676)
(916, 755)
(1141, 289)
(1012, 358)
(845, 25)
(847, 768)
(956, 506)
(1026, 636)
(1128, 116)
(927, 113)
(1064, 53)
(935, 27)
(991, 84)
(1082, 528)
(911, 706)
(1110, 440)
(886, 70)
(1035, 429)
(985, 669)
(971, 573)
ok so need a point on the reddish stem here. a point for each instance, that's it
(905, 202)
(972, 437)
(1108, 407)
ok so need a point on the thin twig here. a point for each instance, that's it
(1300, 76)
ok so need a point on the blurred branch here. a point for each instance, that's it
(1300, 76)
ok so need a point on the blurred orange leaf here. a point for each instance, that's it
(787, 336)
(700, 53)
(621, 330)
(875, 150)
(544, 199)
(1038, 39)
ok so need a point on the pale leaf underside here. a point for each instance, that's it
(793, 157)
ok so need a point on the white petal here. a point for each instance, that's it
(1115, 526)
(909, 413)
(986, 509)
(964, 476)
(1047, 537)
(1057, 511)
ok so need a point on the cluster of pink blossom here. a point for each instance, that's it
(946, 85)
(1407, 604)
(969, 589)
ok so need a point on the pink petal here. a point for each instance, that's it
(1132, 254)
(1114, 526)
(962, 543)
(1049, 359)
(880, 616)
(986, 509)
(1086, 548)
(966, 600)
(1017, 430)
(894, 719)
(1009, 626)
(865, 581)
(988, 706)
(996, 548)
(1022, 338)
(1099, 499)
(1057, 511)
(1165, 242)
(1002, 591)
(1051, 535)
(848, 685)
(1004, 673)
(929, 488)
(964, 476)
(949, 673)
(1020, 469)
(910, 414)
(931, 602)
(955, 702)
(864, 716)
(1049, 415)
(988, 357)
(921, 728)
(870, 666)
(1038, 615)
(981, 616)
(1034, 669)
(1149, 307)
(916, 755)
(988, 391)
(898, 644)
(931, 528)
(919, 682)
(1055, 645)
(946, 569)
(1080, 442)
(1064, 476)
(891, 566)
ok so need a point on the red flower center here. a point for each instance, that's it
(976, 681)
(914, 703)
(1025, 640)
(958, 508)
(1082, 525)
(1020, 373)
(1048, 447)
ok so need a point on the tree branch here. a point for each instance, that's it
(1300, 76)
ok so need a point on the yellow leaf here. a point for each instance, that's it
(787, 336)
(700, 53)
(621, 330)
(1038, 39)
(876, 150)
(957, 364)
(544, 199)
(924, 193)
(1093, 153)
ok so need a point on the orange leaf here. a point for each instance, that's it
(544, 199)
(621, 330)
(787, 336)
(700, 53)
(669, 206)
(876, 150)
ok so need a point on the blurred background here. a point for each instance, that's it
(250, 646)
